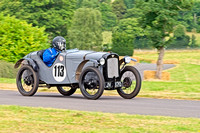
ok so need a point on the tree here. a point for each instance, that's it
(119, 8)
(142, 42)
(124, 35)
(190, 19)
(106, 1)
(108, 17)
(55, 15)
(86, 30)
(129, 3)
(88, 3)
(78, 3)
(17, 38)
(160, 16)
(180, 39)
(193, 43)
(133, 13)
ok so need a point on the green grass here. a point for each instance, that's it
(171, 90)
(186, 73)
(32, 120)
(7, 80)
(185, 77)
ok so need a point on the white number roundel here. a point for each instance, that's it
(59, 72)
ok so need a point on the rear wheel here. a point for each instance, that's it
(91, 83)
(27, 81)
(66, 91)
(131, 82)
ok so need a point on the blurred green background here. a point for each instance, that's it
(103, 25)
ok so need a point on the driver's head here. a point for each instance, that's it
(59, 43)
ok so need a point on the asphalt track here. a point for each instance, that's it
(111, 104)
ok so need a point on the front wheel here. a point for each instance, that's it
(131, 82)
(27, 81)
(91, 83)
(66, 91)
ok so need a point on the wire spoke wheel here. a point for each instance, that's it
(91, 83)
(128, 81)
(131, 82)
(27, 81)
(66, 90)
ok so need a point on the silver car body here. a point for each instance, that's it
(68, 65)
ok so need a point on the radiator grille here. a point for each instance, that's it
(112, 67)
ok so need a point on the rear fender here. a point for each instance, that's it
(30, 61)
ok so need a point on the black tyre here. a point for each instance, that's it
(91, 83)
(27, 81)
(131, 82)
(66, 91)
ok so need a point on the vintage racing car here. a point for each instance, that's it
(92, 72)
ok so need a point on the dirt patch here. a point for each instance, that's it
(149, 75)
(5, 86)
(141, 67)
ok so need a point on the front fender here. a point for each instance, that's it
(81, 65)
(30, 61)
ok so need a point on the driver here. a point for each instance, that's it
(50, 54)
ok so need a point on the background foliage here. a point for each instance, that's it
(119, 8)
(86, 32)
(108, 17)
(17, 38)
(124, 36)
(7, 70)
(54, 15)
(91, 18)
(160, 17)
(180, 39)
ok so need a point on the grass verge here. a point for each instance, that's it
(171, 90)
(29, 119)
(7, 80)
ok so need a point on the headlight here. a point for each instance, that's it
(127, 60)
(102, 61)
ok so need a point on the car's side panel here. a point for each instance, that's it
(72, 65)
(47, 74)
(70, 61)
